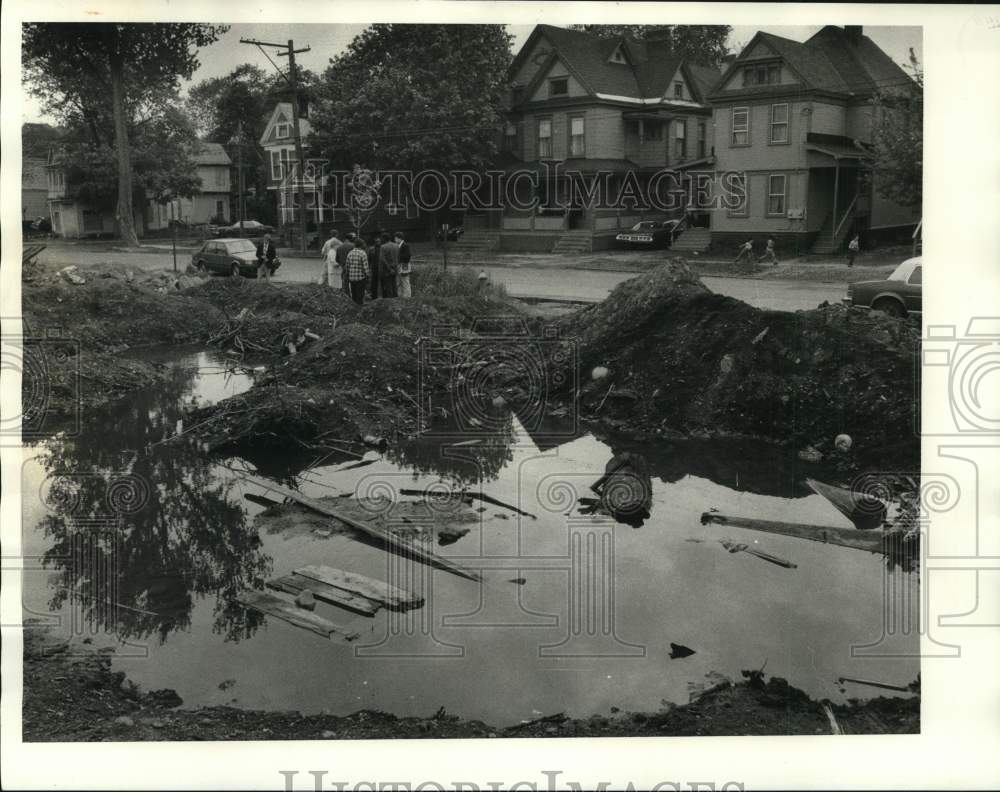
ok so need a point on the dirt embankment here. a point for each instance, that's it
(71, 695)
(683, 359)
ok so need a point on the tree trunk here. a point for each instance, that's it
(123, 213)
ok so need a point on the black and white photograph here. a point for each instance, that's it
(501, 375)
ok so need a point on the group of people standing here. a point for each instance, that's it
(380, 266)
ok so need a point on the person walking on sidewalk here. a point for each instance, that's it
(746, 251)
(769, 253)
(357, 271)
(404, 266)
(329, 256)
(853, 248)
(388, 265)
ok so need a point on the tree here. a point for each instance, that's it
(704, 44)
(105, 75)
(414, 97)
(898, 140)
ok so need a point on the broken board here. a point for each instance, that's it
(377, 590)
(872, 541)
(294, 584)
(293, 614)
(397, 545)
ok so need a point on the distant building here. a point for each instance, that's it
(598, 105)
(74, 218)
(34, 189)
(797, 119)
(212, 204)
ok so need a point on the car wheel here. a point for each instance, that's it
(235, 270)
(889, 307)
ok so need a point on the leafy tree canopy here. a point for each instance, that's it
(898, 140)
(414, 97)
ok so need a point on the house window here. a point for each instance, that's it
(559, 87)
(678, 90)
(762, 74)
(779, 123)
(653, 130)
(776, 194)
(741, 126)
(510, 137)
(577, 145)
(276, 165)
(737, 199)
(680, 130)
(282, 130)
(545, 138)
(701, 139)
(220, 209)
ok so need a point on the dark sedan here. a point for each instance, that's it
(898, 295)
(648, 234)
(229, 257)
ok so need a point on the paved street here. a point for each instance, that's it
(550, 282)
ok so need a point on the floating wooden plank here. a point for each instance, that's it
(865, 511)
(872, 541)
(394, 543)
(293, 584)
(293, 614)
(367, 587)
(466, 494)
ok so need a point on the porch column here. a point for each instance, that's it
(836, 186)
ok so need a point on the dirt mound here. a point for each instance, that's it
(357, 379)
(426, 315)
(683, 358)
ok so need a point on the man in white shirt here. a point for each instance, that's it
(329, 254)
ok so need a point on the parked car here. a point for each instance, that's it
(898, 295)
(250, 228)
(229, 257)
(648, 234)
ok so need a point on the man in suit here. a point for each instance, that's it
(404, 265)
(388, 266)
(266, 254)
(341, 259)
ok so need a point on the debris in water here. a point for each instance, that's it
(305, 599)
(843, 442)
(289, 612)
(677, 651)
(295, 584)
(810, 454)
(373, 589)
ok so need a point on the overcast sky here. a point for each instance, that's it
(327, 40)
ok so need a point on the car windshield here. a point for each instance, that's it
(241, 246)
(645, 225)
(903, 271)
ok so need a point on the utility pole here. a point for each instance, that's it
(293, 82)
(239, 180)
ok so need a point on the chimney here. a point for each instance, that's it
(853, 33)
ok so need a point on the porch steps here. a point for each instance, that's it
(692, 240)
(826, 243)
(579, 241)
(475, 243)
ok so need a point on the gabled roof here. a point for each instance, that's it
(211, 154)
(831, 61)
(587, 56)
(283, 110)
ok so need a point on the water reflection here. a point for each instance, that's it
(138, 536)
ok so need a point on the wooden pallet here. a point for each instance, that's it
(367, 587)
(290, 612)
(294, 584)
